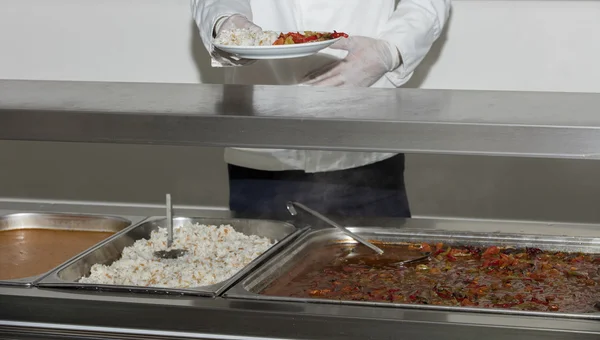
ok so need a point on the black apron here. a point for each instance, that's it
(374, 190)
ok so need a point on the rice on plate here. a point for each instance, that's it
(214, 254)
(245, 37)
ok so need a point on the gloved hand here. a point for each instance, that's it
(367, 61)
(232, 22)
(236, 21)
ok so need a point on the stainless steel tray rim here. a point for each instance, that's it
(234, 293)
(460, 235)
(59, 214)
(129, 289)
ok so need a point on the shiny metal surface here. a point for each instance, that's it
(170, 253)
(415, 260)
(467, 122)
(58, 221)
(132, 212)
(289, 258)
(457, 225)
(169, 221)
(48, 312)
(67, 275)
(291, 208)
(562, 125)
(125, 315)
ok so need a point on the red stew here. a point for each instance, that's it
(299, 38)
(492, 277)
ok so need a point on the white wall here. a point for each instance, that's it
(507, 45)
(108, 40)
(496, 45)
(518, 45)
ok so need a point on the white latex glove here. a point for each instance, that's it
(230, 23)
(367, 61)
(236, 21)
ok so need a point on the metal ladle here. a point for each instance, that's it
(291, 208)
(415, 260)
(170, 253)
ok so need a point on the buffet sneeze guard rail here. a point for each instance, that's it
(529, 124)
(526, 124)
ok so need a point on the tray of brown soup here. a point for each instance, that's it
(33, 244)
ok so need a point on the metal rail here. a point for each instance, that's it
(555, 125)
(165, 317)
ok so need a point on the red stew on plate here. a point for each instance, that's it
(308, 36)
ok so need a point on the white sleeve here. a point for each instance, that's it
(207, 13)
(413, 28)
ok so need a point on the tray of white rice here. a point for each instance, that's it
(219, 253)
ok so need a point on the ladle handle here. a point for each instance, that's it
(169, 221)
(291, 208)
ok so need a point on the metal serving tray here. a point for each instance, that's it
(287, 260)
(58, 221)
(67, 275)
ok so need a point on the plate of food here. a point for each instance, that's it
(247, 44)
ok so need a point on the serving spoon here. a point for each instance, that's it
(415, 260)
(170, 253)
(291, 207)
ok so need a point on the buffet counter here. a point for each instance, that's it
(76, 311)
(299, 279)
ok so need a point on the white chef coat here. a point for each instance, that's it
(412, 27)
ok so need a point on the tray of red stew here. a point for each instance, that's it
(246, 44)
(479, 272)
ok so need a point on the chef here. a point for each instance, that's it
(387, 41)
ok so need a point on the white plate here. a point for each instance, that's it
(277, 51)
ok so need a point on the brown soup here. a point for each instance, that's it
(30, 252)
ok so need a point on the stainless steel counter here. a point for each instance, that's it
(557, 125)
(118, 316)
(70, 313)
(561, 125)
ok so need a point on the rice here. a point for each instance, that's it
(245, 37)
(214, 254)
